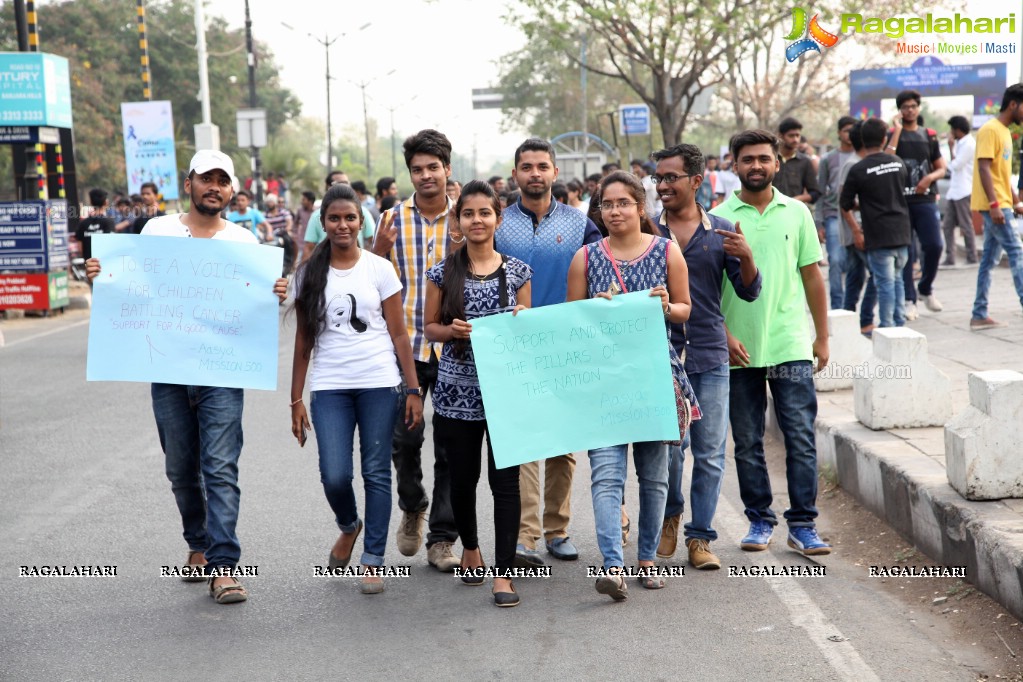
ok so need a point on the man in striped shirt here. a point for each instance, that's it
(414, 236)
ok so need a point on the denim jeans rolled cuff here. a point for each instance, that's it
(200, 429)
(795, 405)
(335, 416)
(368, 559)
(996, 239)
(607, 472)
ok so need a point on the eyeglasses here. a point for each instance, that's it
(621, 205)
(670, 178)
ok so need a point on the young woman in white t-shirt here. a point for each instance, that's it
(351, 322)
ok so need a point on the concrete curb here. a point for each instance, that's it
(910, 490)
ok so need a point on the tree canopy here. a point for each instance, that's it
(100, 40)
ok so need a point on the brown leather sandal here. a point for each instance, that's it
(228, 594)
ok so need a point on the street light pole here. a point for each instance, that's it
(362, 85)
(394, 151)
(254, 151)
(365, 122)
(326, 42)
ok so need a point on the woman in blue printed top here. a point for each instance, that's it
(474, 282)
(629, 259)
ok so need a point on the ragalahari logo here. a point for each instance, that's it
(807, 37)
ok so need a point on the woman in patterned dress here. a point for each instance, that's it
(629, 259)
(474, 282)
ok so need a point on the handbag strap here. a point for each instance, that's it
(610, 256)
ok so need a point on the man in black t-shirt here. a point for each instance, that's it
(877, 181)
(918, 148)
(150, 206)
(97, 223)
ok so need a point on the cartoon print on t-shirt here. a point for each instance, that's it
(336, 313)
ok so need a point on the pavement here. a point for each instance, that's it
(82, 484)
(900, 474)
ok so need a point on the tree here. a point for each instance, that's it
(100, 40)
(664, 51)
(761, 87)
(544, 96)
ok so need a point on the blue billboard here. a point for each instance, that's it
(986, 82)
(35, 90)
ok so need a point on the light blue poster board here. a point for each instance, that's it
(575, 376)
(196, 312)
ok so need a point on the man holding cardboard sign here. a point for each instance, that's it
(200, 427)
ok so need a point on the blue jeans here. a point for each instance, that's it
(856, 271)
(200, 431)
(926, 223)
(997, 238)
(885, 266)
(836, 262)
(707, 438)
(795, 406)
(335, 415)
(607, 476)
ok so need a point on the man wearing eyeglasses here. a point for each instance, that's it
(545, 234)
(918, 149)
(713, 250)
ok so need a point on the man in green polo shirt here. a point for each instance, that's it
(769, 344)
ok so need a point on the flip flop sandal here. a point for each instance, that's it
(651, 582)
(189, 566)
(613, 586)
(228, 594)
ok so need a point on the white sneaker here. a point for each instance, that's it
(932, 303)
(911, 311)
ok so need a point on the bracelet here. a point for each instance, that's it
(994, 204)
(295, 403)
(667, 311)
(890, 147)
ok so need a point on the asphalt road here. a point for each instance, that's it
(81, 482)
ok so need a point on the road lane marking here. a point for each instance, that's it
(48, 332)
(804, 612)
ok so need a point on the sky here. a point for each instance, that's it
(439, 51)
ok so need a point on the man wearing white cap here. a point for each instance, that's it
(200, 427)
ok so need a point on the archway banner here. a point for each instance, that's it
(985, 82)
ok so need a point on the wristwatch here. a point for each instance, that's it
(414, 391)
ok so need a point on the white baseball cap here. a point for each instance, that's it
(206, 160)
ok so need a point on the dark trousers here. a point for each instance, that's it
(462, 441)
(406, 453)
(927, 225)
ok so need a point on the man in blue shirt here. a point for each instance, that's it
(713, 249)
(545, 234)
(249, 218)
